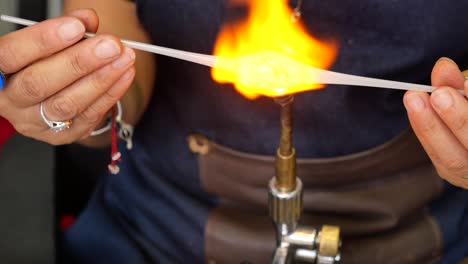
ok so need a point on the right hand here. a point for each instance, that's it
(77, 80)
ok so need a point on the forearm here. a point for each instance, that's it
(118, 17)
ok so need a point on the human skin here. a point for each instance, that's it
(78, 81)
(119, 18)
(440, 121)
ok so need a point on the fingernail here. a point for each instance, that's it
(446, 59)
(442, 99)
(415, 102)
(71, 30)
(126, 59)
(107, 49)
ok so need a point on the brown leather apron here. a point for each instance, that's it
(378, 198)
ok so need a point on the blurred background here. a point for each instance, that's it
(42, 188)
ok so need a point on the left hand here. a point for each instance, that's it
(440, 121)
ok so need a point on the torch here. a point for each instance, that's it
(295, 243)
(272, 62)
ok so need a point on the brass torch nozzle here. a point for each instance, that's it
(286, 155)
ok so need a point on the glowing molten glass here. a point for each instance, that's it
(268, 54)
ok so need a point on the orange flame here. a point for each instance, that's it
(268, 53)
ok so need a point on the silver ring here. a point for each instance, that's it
(56, 126)
(108, 126)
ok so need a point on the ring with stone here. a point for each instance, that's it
(56, 126)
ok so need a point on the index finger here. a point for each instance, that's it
(25, 46)
(447, 73)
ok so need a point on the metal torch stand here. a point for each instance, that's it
(295, 244)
